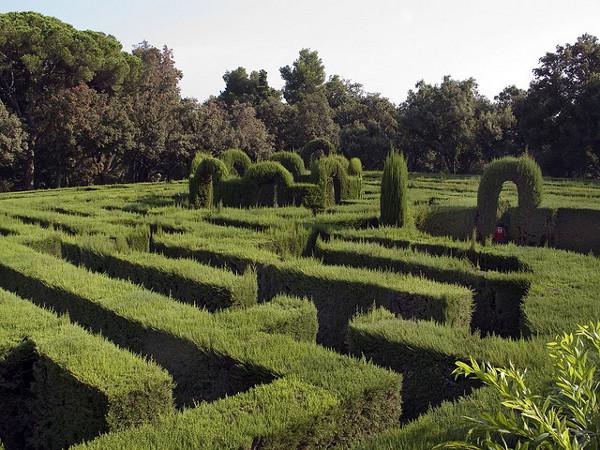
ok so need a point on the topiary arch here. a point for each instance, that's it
(209, 173)
(527, 176)
(316, 149)
(291, 161)
(236, 160)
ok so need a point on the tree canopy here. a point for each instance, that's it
(76, 109)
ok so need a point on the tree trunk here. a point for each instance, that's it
(29, 180)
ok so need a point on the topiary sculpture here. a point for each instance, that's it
(236, 160)
(208, 175)
(316, 149)
(291, 161)
(394, 191)
(527, 176)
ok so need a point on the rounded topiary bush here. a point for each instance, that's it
(291, 161)
(355, 167)
(393, 202)
(192, 181)
(525, 173)
(315, 149)
(268, 180)
(236, 160)
(208, 175)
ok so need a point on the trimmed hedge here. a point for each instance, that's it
(193, 182)
(61, 385)
(393, 203)
(185, 280)
(426, 351)
(208, 176)
(267, 181)
(527, 176)
(207, 360)
(485, 258)
(339, 292)
(291, 161)
(497, 297)
(316, 149)
(331, 175)
(285, 414)
(236, 160)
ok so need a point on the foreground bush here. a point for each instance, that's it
(567, 418)
(525, 173)
(394, 191)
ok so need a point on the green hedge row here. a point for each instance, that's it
(184, 280)
(285, 414)
(422, 350)
(562, 228)
(234, 254)
(497, 296)
(207, 360)
(291, 161)
(339, 292)
(60, 385)
(485, 258)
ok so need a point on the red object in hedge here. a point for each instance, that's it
(500, 235)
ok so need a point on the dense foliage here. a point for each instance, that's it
(567, 418)
(80, 111)
(394, 191)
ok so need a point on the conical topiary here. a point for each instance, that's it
(393, 202)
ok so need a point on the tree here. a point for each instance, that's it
(40, 54)
(305, 76)
(440, 124)
(313, 118)
(251, 89)
(154, 100)
(250, 134)
(561, 114)
(13, 146)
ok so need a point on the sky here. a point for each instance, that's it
(385, 45)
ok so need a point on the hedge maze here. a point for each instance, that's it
(130, 320)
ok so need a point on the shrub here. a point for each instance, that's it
(525, 173)
(394, 191)
(267, 180)
(193, 182)
(315, 149)
(236, 160)
(355, 167)
(291, 161)
(331, 177)
(209, 173)
(567, 418)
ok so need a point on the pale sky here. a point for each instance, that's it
(386, 45)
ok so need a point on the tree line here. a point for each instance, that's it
(76, 109)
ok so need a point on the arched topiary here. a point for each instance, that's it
(291, 161)
(236, 160)
(527, 176)
(315, 149)
(208, 175)
(343, 160)
(193, 182)
(331, 176)
(267, 180)
(393, 203)
(355, 167)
